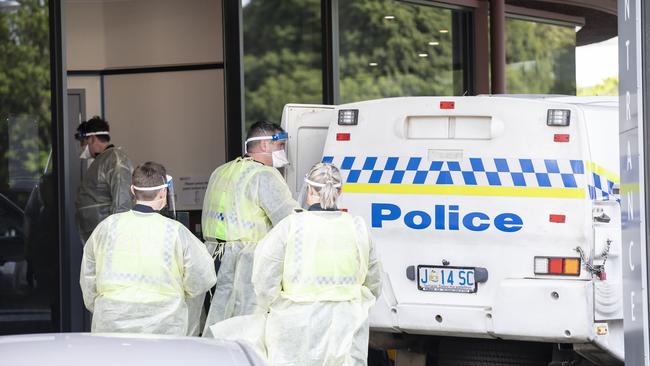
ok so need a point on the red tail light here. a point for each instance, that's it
(565, 266)
(555, 265)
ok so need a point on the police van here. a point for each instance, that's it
(495, 217)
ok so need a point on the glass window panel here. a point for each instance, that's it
(540, 58)
(29, 248)
(282, 56)
(390, 48)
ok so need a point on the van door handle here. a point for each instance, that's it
(602, 218)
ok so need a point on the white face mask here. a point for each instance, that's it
(279, 158)
(85, 154)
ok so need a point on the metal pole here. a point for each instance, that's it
(498, 45)
(61, 315)
(233, 56)
(330, 37)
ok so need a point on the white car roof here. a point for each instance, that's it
(76, 349)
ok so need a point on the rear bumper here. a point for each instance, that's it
(544, 310)
(523, 309)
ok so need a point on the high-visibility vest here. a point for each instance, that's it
(326, 259)
(136, 265)
(231, 209)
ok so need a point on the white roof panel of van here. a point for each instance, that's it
(609, 101)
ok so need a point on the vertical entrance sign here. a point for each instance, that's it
(632, 53)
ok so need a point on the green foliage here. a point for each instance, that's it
(283, 60)
(282, 56)
(540, 58)
(395, 45)
(25, 117)
(608, 86)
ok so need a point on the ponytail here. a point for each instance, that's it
(327, 179)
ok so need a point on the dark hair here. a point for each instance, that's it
(149, 174)
(95, 124)
(262, 128)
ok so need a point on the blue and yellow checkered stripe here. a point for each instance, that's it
(474, 176)
(602, 184)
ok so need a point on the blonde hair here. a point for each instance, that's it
(329, 176)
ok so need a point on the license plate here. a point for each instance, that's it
(446, 279)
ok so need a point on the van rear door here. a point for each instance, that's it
(307, 126)
(473, 203)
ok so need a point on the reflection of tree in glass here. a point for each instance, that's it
(25, 87)
(387, 48)
(283, 62)
(282, 56)
(540, 58)
(391, 49)
(23, 151)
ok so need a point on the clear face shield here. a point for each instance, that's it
(85, 153)
(302, 195)
(279, 157)
(171, 198)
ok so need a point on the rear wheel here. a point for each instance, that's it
(479, 352)
(421, 350)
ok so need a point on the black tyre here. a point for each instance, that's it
(479, 352)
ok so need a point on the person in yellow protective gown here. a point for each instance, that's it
(317, 275)
(244, 199)
(140, 269)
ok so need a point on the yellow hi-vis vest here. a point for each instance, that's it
(136, 265)
(326, 259)
(230, 208)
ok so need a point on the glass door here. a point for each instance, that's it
(29, 244)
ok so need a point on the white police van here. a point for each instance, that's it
(495, 218)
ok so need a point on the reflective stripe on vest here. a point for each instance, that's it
(231, 213)
(326, 259)
(129, 266)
